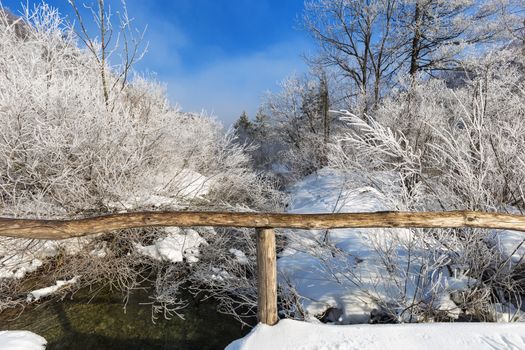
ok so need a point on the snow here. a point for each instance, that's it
(295, 335)
(19, 257)
(189, 183)
(506, 313)
(308, 264)
(511, 244)
(177, 246)
(166, 189)
(219, 274)
(344, 271)
(21, 340)
(239, 256)
(44, 292)
(100, 251)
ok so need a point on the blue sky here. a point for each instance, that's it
(216, 55)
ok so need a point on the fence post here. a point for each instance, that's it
(266, 277)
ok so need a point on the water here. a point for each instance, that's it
(101, 323)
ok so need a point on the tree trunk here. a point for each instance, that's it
(414, 52)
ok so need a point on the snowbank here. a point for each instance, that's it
(289, 334)
(21, 256)
(348, 275)
(511, 244)
(21, 340)
(308, 264)
(239, 256)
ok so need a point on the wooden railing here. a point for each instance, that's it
(265, 223)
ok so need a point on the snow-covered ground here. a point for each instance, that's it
(308, 264)
(44, 292)
(21, 256)
(511, 244)
(348, 275)
(296, 335)
(21, 340)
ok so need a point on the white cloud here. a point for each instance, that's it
(227, 87)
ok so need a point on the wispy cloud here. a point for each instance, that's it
(231, 85)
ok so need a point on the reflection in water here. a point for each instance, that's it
(102, 323)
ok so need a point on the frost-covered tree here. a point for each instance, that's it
(300, 125)
(243, 128)
(462, 152)
(434, 32)
(357, 38)
(130, 51)
(71, 148)
(371, 42)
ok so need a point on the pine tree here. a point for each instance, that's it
(244, 128)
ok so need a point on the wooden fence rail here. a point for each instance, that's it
(60, 229)
(265, 224)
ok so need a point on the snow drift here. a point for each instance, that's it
(292, 335)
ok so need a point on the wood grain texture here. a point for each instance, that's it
(266, 277)
(60, 229)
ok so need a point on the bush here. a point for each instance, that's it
(453, 147)
(68, 150)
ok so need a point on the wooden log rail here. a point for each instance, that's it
(61, 229)
(265, 224)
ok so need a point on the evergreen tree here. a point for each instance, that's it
(244, 128)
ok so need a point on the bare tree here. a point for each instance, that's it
(356, 37)
(435, 32)
(370, 41)
(102, 49)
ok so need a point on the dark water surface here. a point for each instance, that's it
(101, 323)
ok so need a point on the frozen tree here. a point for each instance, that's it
(434, 33)
(463, 154)
(71, 148)
(371, 42)
(300, 125)
(100, 46)
(357, 38)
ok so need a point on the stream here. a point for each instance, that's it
(100, 322)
